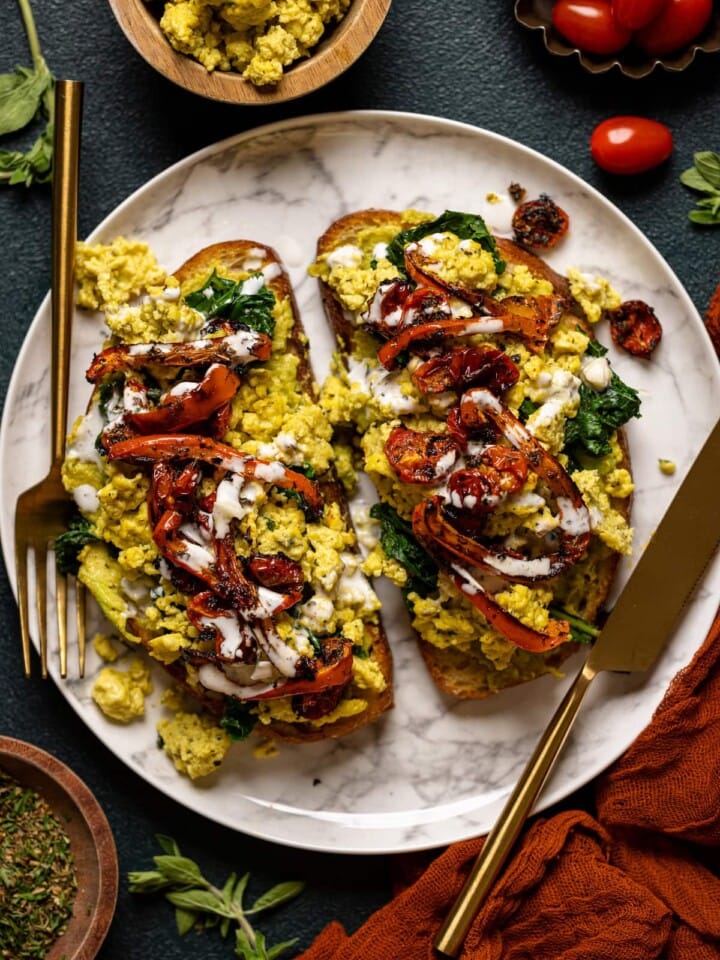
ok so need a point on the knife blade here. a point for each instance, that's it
(637, 630)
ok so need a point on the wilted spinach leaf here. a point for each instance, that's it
(69, 544)
(466, 226)
(399, 543)
(224, 300)
(599, 415)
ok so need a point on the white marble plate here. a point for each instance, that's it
(433, 770)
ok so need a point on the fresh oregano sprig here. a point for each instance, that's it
(199, 903)
(27, 94)
(705, 178)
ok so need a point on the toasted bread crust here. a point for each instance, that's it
(455, 671)
(231, 259)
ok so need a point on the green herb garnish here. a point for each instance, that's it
(222, 299)
(69, 544)
(399, 543)
(200, 904)
(599, 415)
(595, 348)
(238, 720)
(526, 408)
(466, 226)
(581, 630)
(705, 178)
(27, 95)
(37, 873)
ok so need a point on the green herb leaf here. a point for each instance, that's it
(239, 891)
(146, 881)
(238, 720)
(399, 543)
(69, 544)
(280, 893)
(245, 950)
(25, 96)
(224, 300)
(185, 920)
(179, 869)
(599, 415)
(21, 95)
(704, 177)
(168, 844)
(465, 226)
(707, 165)
(279, 948)
(203, 900)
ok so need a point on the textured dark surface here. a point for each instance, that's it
(430, 57)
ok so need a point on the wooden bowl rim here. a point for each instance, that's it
(91, 842)
(331, 57)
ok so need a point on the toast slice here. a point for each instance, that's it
(220, 538)
(497, 282)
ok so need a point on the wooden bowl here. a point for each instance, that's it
(91, 842)
(340, 48)
(632, 62)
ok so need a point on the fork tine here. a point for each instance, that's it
(80, 617)
(61, 606)
(22, 589)
(41, 603)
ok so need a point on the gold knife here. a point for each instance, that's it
(635, 633)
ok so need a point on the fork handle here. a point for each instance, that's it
(502, 837)
(66, 143)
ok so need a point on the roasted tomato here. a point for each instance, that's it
(590, 25)
(635, 328)
(420, 457)
(628, 145)
(464, 367)
(634, 14)
(679, 22)
(539, 223)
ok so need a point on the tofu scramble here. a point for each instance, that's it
(553, 387)
(256, 38)
(271, 416)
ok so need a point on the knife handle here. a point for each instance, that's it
(502, 837)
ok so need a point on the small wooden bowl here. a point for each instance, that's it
(332, 56)
(91, 841)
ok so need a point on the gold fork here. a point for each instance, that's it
(45, 510)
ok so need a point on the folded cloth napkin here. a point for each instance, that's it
(638, 879)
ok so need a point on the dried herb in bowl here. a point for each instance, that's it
(37, 873)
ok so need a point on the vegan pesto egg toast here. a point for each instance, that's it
(488, 418)
(217, 535)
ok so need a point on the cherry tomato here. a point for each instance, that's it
(590, 25)
(635, 14)
(679, 22)
(630, 144)
(635, 328)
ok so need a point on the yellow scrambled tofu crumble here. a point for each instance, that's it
(361, 395)
(256, 38)
(271, 417)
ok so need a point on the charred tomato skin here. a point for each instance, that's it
(627, 145)
(540, 223)
(635, 328)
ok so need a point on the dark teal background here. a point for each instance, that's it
(466, 60)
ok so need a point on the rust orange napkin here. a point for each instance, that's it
(636, 878)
